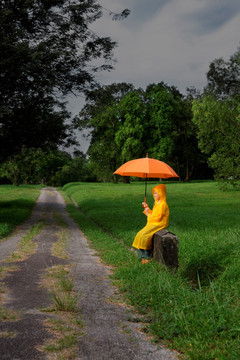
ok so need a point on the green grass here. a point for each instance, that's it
(16, 203)
(196, 310)
(63, 294)
(8, 314)
(66, 326)
(27, 245)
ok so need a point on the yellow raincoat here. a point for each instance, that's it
(158, 219)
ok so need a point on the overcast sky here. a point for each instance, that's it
(168, 40)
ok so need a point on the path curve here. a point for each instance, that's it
(111, 330)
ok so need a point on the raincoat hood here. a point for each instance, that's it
(161, 191)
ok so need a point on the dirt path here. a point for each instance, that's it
(110, 330)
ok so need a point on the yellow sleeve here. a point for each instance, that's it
(158, 212)
(149, 212)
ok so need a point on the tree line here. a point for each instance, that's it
(126, 123)
(198, 134)
(48, 52)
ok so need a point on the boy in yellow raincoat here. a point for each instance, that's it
(157, 219)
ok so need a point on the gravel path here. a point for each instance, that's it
(111, 330)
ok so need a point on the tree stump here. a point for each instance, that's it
(165, 248)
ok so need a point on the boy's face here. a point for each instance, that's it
(155, 195)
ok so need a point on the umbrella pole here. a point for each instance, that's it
(145, 197)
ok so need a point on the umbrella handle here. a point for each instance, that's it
(145, 198)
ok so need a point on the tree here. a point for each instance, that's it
(217, 116)
(74, 170)
(47, 51)
(218, 123)
(35, 124)
(224, 77)
(101, 116)
(159, 121)
(146, 120)
(129, 136)
(170, 134)
(35, 166)
(10, 170)
(127, 123)
(186, 158)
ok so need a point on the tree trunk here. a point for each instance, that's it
(115, 178)
(187, 177)
(126, 179)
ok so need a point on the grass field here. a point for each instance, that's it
(195, 310)
(16, 203)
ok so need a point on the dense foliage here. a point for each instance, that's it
(35, 166)
(217, 116)
(47, 52)
(100, 116)
(127, 123)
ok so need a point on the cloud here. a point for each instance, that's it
(172, 41)
(211, 15)
(143, 10)
(170, 46)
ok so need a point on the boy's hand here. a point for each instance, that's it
(146, 208)
(144, 205)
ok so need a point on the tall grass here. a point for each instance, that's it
(16, 203)
(66, 325)
(196, 310)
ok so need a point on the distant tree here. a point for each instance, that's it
(101, 116)
(146, 122)
(161, 105)
(11, 171)
(76, 169)
(32, 166)
(187, 158)
(170, 132)
(97, 100)
(34, 124)
(218, 123)
(35, 166)
(47, 51)
(217, 117)
(127, 123)
(103, 151)
(132, 115)
(224, 77)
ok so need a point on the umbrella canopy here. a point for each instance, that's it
(146, 168)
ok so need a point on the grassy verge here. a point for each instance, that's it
(195, 311)
(15, 206)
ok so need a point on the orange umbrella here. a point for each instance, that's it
(146, 168)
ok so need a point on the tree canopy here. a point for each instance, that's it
(47, 52)
(101, 116)
(217, 116)
(127, 123)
